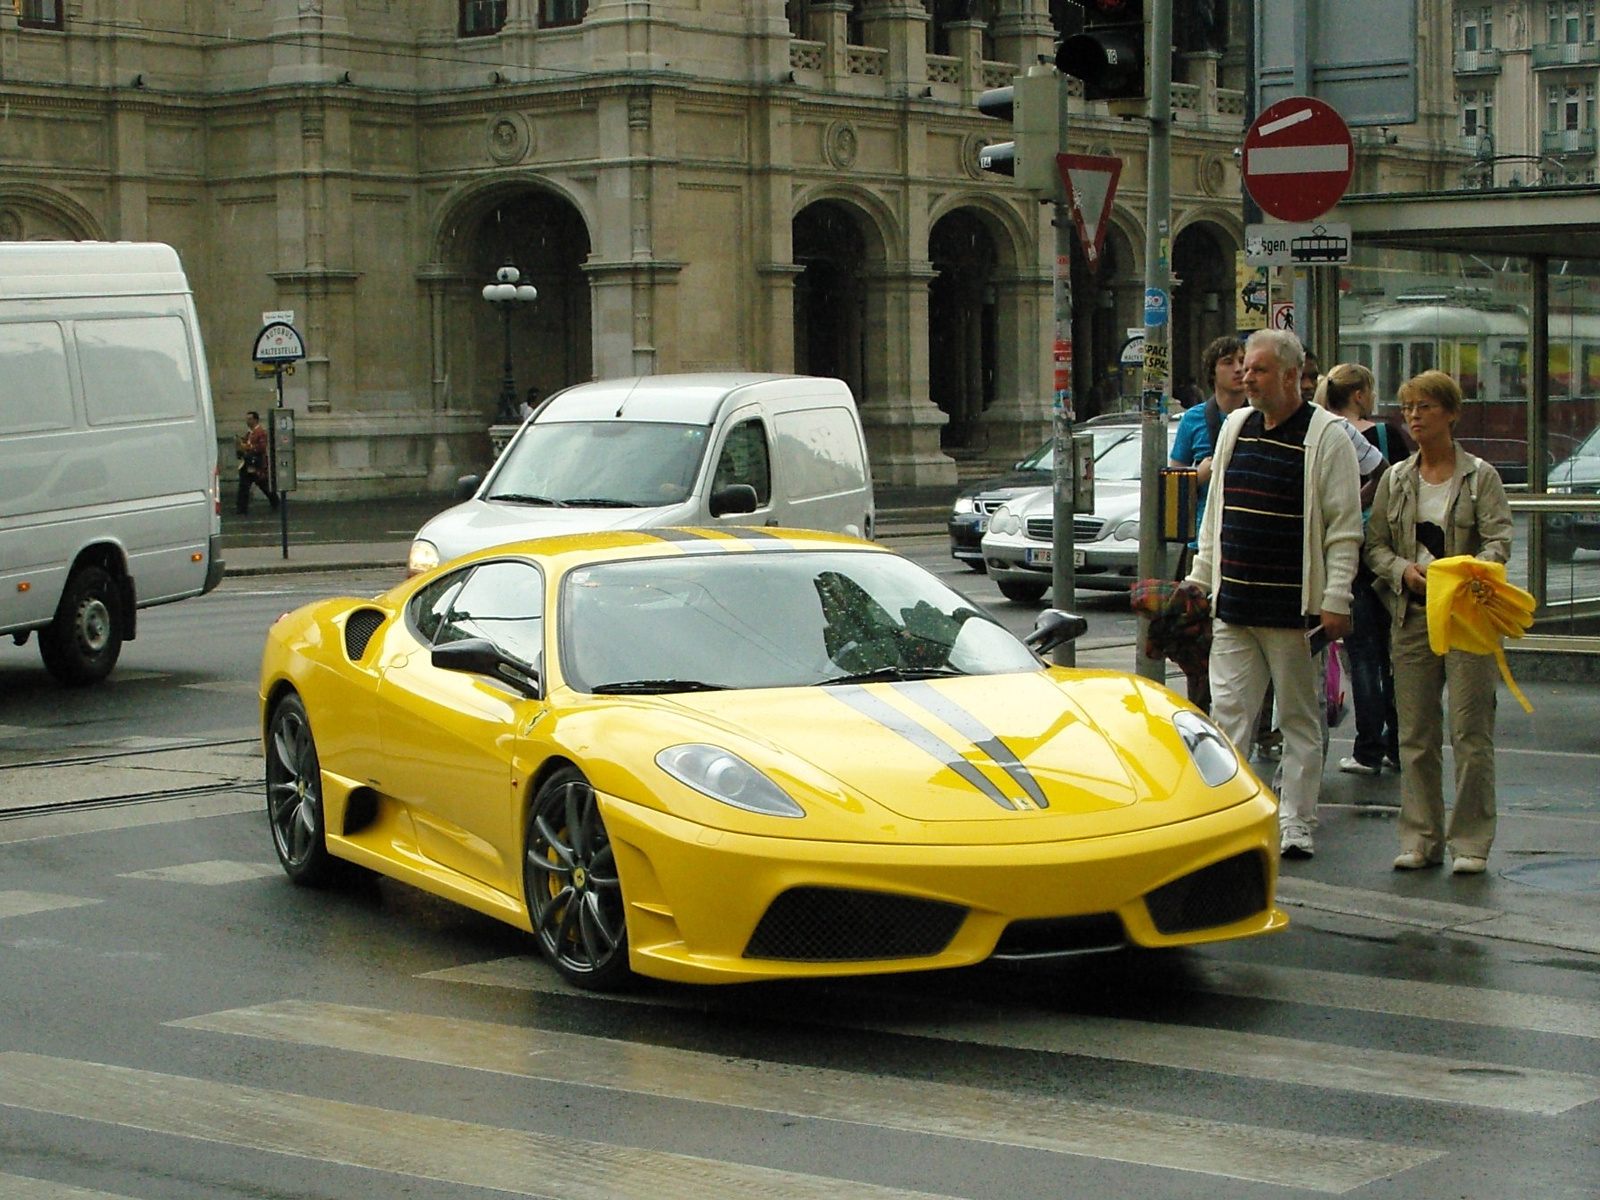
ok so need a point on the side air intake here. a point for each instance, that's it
(358, 630)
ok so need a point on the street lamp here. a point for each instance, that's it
(506, 293)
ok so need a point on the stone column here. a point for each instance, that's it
(1019, 418)
(1023, 32)
(902, 425)
(900, 27)
(830, 25)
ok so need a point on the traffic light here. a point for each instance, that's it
(1030, 104)
(1109, 53)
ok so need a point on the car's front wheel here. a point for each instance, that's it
(294, 795)
(569, 875)
(1022, 591)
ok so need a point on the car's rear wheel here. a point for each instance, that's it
(1022, 591)
(83, 642)
(294, 795)
(569, 875)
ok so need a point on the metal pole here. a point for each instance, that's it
(1538, 414)
(508, 385)
(1157, 315)
(1063, 585)
(283, 497)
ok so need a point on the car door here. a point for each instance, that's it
(449, 737)
(745, 456)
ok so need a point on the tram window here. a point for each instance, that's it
(1560, 377)
(1393, 370)
(1363, 354)
(1421, 357)
(1466, 367)
(1591, 370)
(1513, 360)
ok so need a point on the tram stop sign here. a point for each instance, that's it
(1298, 159)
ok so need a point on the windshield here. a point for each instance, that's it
(1123, 461)
(782, 619)
(634, 464)
(1105, 436)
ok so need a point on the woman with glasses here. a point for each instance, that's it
(1440, 502)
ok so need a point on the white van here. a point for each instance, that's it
(659, 450)
(109, 498)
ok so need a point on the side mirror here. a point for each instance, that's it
(1055, 628)
(735, 498)
(467, 485)
(478, 656)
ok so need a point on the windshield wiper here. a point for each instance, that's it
(654, 687)
(600, 502)
(893, 675)
(525, 498)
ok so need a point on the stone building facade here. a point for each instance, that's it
(690, 184)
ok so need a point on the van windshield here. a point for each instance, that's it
(601, 464)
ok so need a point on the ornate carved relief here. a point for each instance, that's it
(1213, 175)
(970, 146)
(509, 138)
(841, 144)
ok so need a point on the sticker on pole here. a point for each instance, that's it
(1298, 159)
(279, 342)
(1091, 181)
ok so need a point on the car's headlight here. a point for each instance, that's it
(964, 504)
(1004, 521)
(727, 777)
(1127, 531)
(424, 556)
(1210, 750)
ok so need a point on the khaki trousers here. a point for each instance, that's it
(1423, 682)
(1243, 659)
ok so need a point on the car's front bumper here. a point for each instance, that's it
(1104, 565)
(696, 897)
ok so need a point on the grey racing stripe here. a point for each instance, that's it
(969, 727)
(688, 540)
(868, 705)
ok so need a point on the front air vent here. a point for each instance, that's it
(819, 924)
(1057, 937)
(358, 630)
(1220, 894)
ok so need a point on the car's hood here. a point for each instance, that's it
(1583, 472)
(1007, 484)
(1110, 499)
(475, 524)
(977, 748)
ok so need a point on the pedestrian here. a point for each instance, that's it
(531, 402)
(252, 446)
(1277, 554)
(1347, 390)
(1310, 375)
(1440, 502)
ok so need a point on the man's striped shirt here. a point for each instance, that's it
(1263, 524)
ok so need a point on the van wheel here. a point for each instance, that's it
(83, 642)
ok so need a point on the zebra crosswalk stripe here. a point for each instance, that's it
(20, 1187)
(397, 1143)
(1328, 1164)
(1180, 1047)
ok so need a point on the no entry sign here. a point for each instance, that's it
(1298, 158)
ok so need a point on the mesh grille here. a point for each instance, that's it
(813, 924)
(358, 630)
(1088, 529)
(1041, 529)
(1051, 936)
(1220, 894)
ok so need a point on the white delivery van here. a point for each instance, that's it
(659, 450)
(109, 497)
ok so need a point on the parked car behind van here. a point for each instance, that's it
(665, 450)
(109, 497)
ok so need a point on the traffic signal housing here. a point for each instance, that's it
(1030, 104)
(1110, 53)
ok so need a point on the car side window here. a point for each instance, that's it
(504, 603)
(431, 604)
(745, 459)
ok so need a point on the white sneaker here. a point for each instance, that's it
(1354, 766)
(1295, 840)
(1413, 860)
(1468, 864)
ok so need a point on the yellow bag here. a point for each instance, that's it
(1471, 607)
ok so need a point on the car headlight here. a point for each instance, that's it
(1004, 521)
(724, 776)
(1127, 531)
(424, 556)
(1210, 750)
(964, 504)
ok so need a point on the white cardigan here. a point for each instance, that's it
(1332, 522)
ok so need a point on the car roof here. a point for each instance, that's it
(694, 399)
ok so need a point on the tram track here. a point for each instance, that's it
(111, 754)
(154, 796)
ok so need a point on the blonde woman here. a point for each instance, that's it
(1442, 501)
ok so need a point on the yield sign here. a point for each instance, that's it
(1298, 159)
(1091, 181)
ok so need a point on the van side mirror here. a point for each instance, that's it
(1055, 628)
(467, 485)
(735, 498)
(479, 656)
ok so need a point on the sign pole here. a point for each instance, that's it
(1063, 583)
(1157, 316)
(283, 497)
